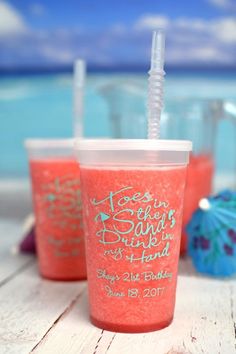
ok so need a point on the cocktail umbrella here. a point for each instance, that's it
(212, 235)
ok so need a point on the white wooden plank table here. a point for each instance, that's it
(39, 316)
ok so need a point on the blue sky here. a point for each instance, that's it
(102, 13)
(108, 33)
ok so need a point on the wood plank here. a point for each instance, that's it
(48, 317)
(11, 263)
(10, 233)
(31, 306)
(15, 198)
(79, 335)
(186, 267)
(204, 323)
(233, 310)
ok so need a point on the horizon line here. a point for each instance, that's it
(7, 70)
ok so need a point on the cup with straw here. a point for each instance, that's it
(132, 196)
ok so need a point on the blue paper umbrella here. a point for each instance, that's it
(212, 235)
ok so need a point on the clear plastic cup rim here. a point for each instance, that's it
(132, 144)
(49, 143)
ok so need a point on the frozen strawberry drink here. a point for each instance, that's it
(57, 205)
(132, 196)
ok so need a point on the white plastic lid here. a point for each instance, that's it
(132, 144)
(49, 148)
(132, 152)
(49, 143)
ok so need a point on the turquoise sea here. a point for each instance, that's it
(42, 106)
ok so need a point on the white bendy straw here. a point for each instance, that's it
(79, 83)
(155, 84)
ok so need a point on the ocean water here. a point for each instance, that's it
(115, 105)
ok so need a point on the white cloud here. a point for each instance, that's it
(118, 28)
(37, 9)
(11, 21)
(152, 22)
(225, 29)
(225, 4)
(208, 53)
(199, 56)
(195, 23)
(56, 54)
(194, 41)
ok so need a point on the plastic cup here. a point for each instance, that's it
(132, 197)
(57, 207)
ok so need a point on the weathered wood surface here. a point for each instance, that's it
(10, 263)
(39, 316)
(30, 307)
(204, 323)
